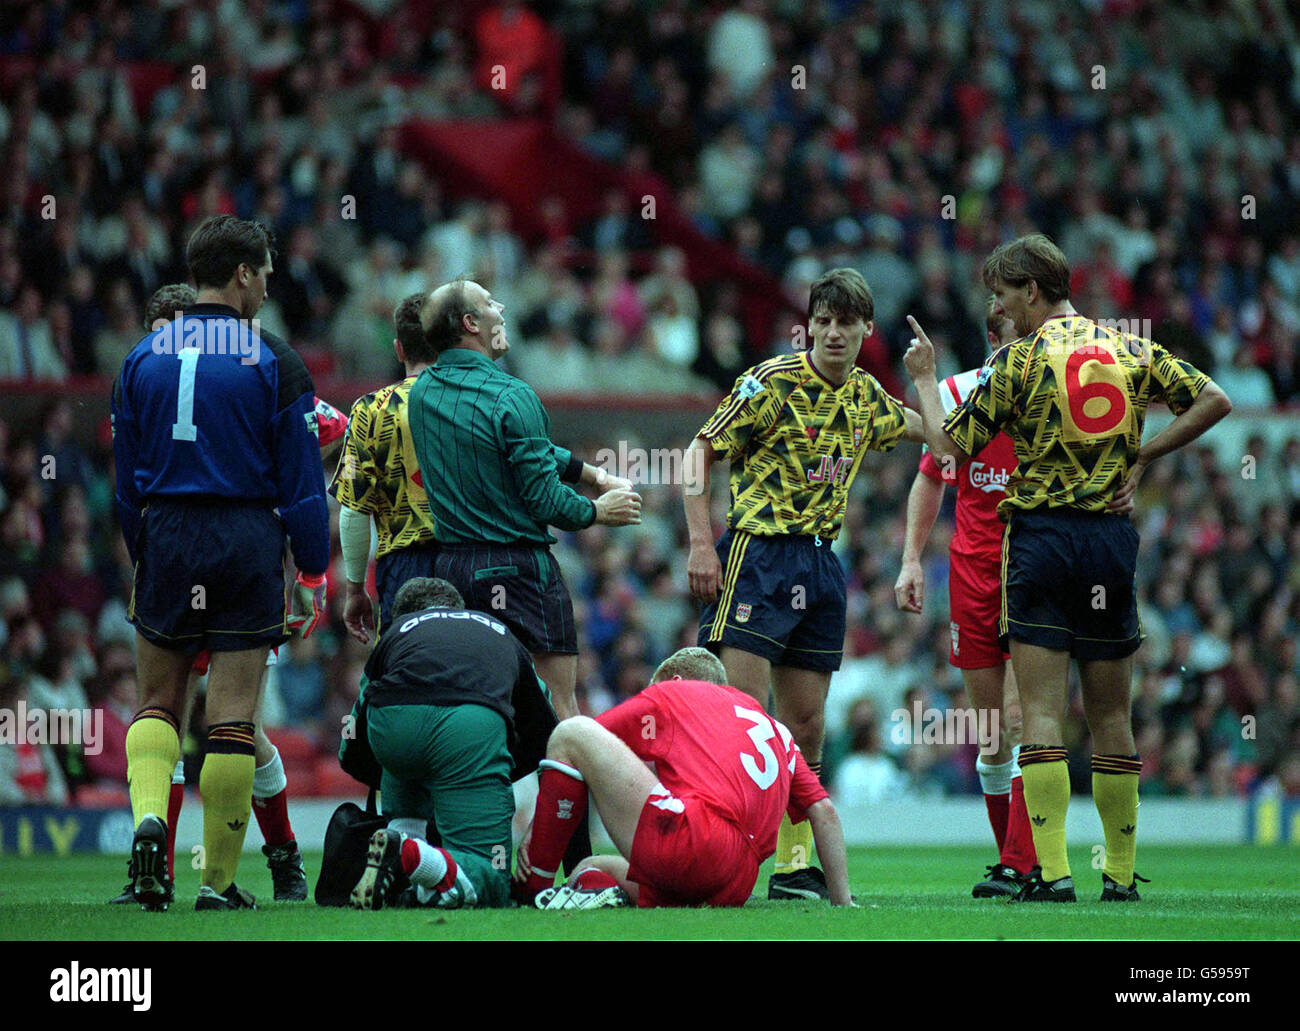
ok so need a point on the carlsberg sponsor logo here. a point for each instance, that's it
(987, 478)
(23, 726)
(102, 984)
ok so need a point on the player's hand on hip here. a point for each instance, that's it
(703, 573)
(919, 358)
(909, 591)
(1125, 499)
(359, 615)
(307, 602)
(619, 507)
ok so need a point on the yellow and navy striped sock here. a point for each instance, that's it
(794, 842)
(1046, 779)
(1115, 793)
(152, 748)
(226, 785)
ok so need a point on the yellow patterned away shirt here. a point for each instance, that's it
(795, 442)
(377, 471)
(1073, 396)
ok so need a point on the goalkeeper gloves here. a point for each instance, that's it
(308, 602)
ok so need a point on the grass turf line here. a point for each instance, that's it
(1198, 893)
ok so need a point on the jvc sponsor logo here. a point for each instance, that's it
(102, 984)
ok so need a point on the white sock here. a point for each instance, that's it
(995, 779)
(432, 867)
(408, 826)
(1015, 762)
(269, 780)
(178, 774)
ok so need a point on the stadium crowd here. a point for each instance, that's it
(903, 139)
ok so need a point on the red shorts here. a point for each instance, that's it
(685, 854)
(975, 594)
(204, 659)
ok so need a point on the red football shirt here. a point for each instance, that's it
(717, 744)
(981, 481)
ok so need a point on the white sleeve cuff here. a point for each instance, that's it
(354, 536)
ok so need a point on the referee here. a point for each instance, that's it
(482, 441)
(214, 430)
(1073, 397)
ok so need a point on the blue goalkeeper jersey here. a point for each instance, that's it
(211, 408)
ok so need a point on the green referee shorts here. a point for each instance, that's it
(450, 763)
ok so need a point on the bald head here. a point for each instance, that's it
(463, 314)
(691, 664)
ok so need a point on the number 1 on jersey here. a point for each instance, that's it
(183, 428)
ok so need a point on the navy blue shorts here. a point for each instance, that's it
(209, 576)
(394, 569)
(781, 598)
(521, 586)
(1068, 583)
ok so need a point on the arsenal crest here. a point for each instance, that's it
(742, 613)
(857, 437)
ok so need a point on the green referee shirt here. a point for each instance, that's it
(483, 443)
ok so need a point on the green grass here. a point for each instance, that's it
(1207, 893)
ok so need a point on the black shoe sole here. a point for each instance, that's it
(150, 884)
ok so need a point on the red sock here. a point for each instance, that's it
(1018, 849)
(174, 800)
(561, 804)
(410, 856)
(273, 817)
(411, 861)
(998, 806)
(592, 879)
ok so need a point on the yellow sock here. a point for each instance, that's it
(226, 785)
(1115, 793)
(1047, 796)
(152, 748)
(794, 844)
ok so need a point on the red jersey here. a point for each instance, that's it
(981, 481)
(716, 744)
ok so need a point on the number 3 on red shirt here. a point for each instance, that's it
(1099, 407)
(761, 733)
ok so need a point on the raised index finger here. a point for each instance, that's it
(916, 328)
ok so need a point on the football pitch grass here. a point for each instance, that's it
(1197, 894)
